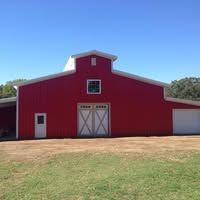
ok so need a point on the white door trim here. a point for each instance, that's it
(95, 104)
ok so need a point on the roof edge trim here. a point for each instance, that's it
(184, 101)
(8, 100)
(139, 78)
(95, 52)
(44, 78)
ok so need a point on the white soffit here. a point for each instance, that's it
(95, 52)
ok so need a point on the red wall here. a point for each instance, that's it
(8, 118)
(137, 108)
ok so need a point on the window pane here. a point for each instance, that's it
(40, 119)
(94, 86)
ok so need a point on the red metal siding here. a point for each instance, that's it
(137, 108)
(8, 118)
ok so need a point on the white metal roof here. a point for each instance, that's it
(95, 52)
(8, 100)
(5, 102)
(184, 101)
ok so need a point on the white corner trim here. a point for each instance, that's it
(17, 114)
(139, 78)
(44, 78)
(95, 52)
(184, 101)
(99, 86)
(164, 93)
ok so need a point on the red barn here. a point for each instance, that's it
(91, 99)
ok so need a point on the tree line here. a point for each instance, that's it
(8, 89)
(186, 88)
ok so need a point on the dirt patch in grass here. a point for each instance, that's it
(31, 150)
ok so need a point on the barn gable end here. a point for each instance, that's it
(94, 100)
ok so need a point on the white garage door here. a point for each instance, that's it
(93, 120)
(186, 121)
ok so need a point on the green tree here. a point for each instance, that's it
(186, 88)
(1, 88)
(8, 90)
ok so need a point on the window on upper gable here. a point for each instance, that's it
(93, 61)
(94, 86)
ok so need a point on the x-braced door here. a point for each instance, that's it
(93, 120)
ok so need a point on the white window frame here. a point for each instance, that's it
(99, 86)
(93, 61)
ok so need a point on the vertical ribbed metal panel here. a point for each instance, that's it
(136, 108)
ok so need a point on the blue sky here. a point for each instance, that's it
(158, 39)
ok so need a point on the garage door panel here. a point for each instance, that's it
(186, 121)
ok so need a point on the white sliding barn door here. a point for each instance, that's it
(85, 120)
(93, 120)
(101, 120)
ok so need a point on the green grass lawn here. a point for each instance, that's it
(102, 176)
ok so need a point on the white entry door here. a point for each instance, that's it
(40, 125)
(93, 120)
(186, 121)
